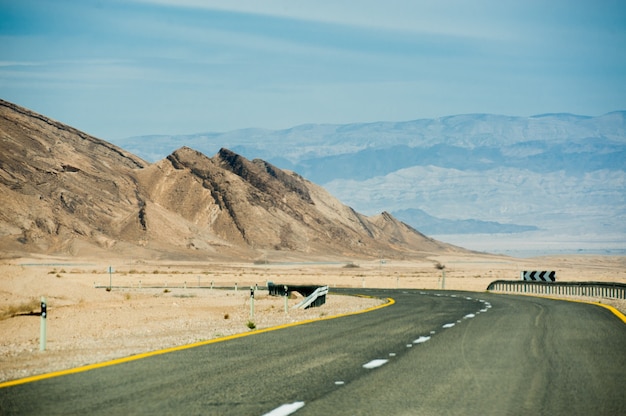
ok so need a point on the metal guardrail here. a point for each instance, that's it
(590, 289)
(316, 298)
(314, 295)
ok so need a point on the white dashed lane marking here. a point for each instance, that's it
(421, 340)
(375, 363)
(286, 409)
(290, 408)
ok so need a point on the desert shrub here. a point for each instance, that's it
(226, 316)
(251, 325)
(185, 295)
(166, 291)
(351, 266)
(20, 308)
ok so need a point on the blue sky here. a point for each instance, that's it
(122, 68)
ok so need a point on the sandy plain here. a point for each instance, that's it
(154, 305)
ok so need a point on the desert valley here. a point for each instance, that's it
(181, 241)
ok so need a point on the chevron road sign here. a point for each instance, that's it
(538, 276)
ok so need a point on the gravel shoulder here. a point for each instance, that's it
(126, 322)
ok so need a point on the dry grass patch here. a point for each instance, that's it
(21, 308)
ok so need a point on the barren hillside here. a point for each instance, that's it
(65, 192)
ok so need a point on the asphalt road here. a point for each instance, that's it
(430, 353)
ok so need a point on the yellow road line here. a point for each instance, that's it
(31, 379)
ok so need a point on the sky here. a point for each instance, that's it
(116, 69)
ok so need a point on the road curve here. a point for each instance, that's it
(455, 353)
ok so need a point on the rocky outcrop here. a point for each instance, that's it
(64, 191)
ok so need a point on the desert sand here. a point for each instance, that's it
(154, 305)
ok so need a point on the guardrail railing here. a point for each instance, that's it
(590, 289)
(314, 295)
(316, 298)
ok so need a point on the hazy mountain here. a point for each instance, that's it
(433, 225)
(473, 131)
(64, 191)
(562, 174)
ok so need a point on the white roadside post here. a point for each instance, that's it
(442, 267)
(42, 330)
(251, 302)
(286, 302)
(110, 278)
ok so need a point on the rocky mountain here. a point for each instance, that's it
(545, 179)
(64, 191)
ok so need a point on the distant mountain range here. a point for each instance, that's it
(430, 225)
(558, 174)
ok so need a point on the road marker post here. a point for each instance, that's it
(251, 302)
(286, 302)
(110, 278)
(442, 267)
(42, 327)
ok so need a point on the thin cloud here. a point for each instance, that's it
(411, 16)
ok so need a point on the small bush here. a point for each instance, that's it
(251, 325)
(185, 295)
(226, 316)
(22, 308)
(166, 291)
